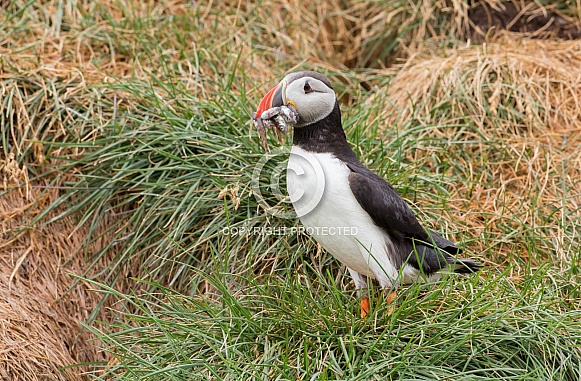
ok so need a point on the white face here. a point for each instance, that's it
(312, 99)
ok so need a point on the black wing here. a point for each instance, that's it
(390, 211)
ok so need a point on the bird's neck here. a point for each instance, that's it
(324, 136)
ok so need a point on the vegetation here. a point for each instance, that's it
(128, 201)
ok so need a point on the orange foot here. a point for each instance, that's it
(390, 298)
(364, 306)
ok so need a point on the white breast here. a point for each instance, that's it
(319, 189)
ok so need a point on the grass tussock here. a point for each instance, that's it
(304, 328)
(515, 84)
(41, 333)
(506, 119)
(126, 160)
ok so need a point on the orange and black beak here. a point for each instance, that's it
(272, 99)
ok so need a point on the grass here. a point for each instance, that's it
(300, 326)
(129, 123)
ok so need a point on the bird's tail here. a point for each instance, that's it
(465, 265)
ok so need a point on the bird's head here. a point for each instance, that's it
(309, 92)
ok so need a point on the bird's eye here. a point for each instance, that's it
(307, 88)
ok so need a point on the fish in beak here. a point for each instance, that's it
(272, 113)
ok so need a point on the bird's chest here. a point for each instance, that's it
(318, 186)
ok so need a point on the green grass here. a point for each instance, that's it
(299, 325)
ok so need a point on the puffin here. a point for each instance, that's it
(352, 212)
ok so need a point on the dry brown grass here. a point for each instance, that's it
(40, 331)
(45, 75)
(538, 80)
(371, 34)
